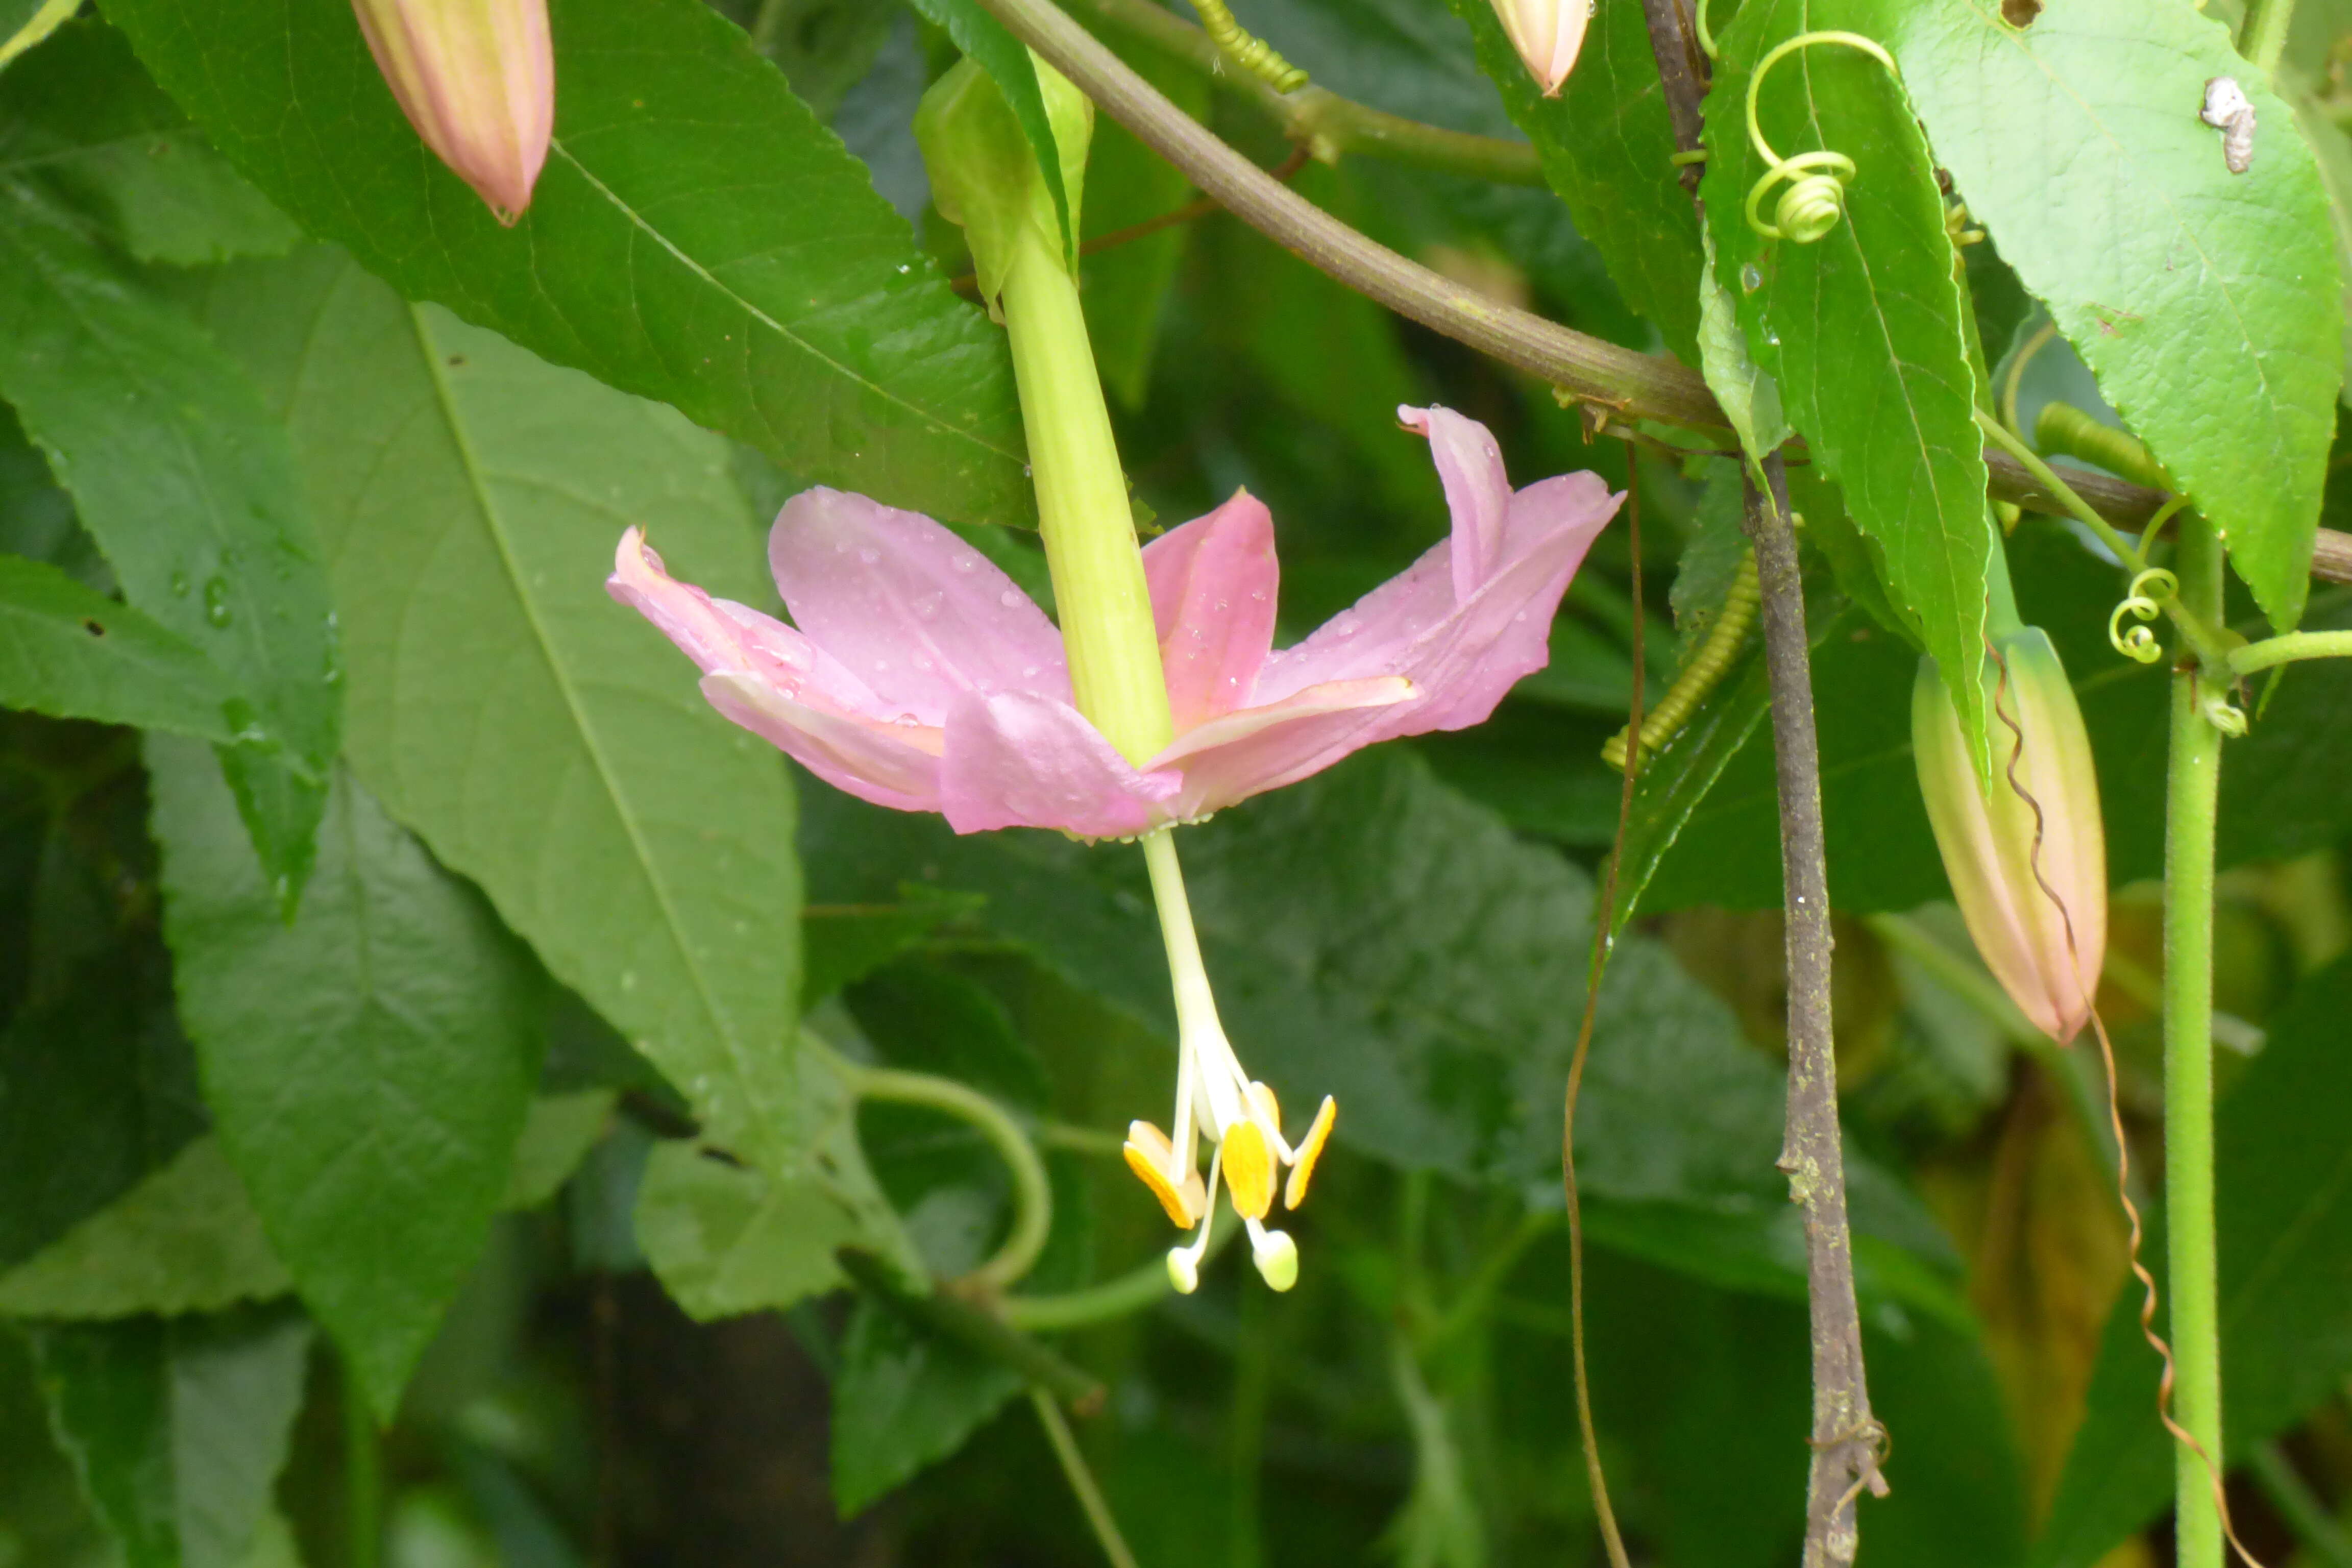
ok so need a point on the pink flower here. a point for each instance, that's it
(920, 678)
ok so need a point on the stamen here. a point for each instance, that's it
(1310, 1149)
(1184, 1262)
(1252, 1176)
(1276, 1255)
(1153, 1160)
(1269, 1117)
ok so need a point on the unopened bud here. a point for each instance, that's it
(1547, 34)
(477, 77)
(2028, 866)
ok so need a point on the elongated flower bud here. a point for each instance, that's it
(1547, 34)
(2029, 867)
(477, 77)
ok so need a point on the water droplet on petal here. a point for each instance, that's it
(1223, 605)
(1257, 595)
(1520, 616)
(966, 563)
(1028, 672)
(1750, 279)
(870, 556)
(1010, 598)
(881, 665)
(927, 604)
(217, 609)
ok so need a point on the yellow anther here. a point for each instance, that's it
(1249, 1170)
(1262, 1101)
(1310, 1149)
(1152, 1157)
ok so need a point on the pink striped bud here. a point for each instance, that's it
(477, 77)
(1547, 33)
(2011, 867)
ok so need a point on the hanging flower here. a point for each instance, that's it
(920, 678)
(477, 79)
(2029, 866)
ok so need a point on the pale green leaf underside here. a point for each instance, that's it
(543, 740)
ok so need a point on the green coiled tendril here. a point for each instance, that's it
(2145, 601)
(1815, 199)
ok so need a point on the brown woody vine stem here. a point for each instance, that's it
(1847, 1439)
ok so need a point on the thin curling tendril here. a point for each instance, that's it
(1245, 49)
(1815, 199)
(2144, 601)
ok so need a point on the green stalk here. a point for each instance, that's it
(1073, 1460)
(2264, 40)
(1082, 508)
(1033, 1194)
(2191, 787)
(2288, 647)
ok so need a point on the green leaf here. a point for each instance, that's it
(177, 1428)
(97, 1089)
(369, 1066)
(725, 1239)
(1607, 145)
(2207, 302)
(697, 236)
(556, 1137)
(823, 47)
(841, 944)
(1014, 70)
(185, 481)
(74, 653)
(88, 122)
(186, 1239)
(545, 741)
(1862, 328)
(903, 1400)
(2283, 1209)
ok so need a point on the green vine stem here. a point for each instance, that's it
(2264, 37)
(2191, 787)
(2287, 648)
(1133, 1291)
(1073, 1461)
(1032, 1195)
(2126, 551)
(943, 1312)
(1330, 125)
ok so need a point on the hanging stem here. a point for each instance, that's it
(1847, 1438)
(1082, 1479)
(2192, 785)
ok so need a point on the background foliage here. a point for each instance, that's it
(401, 967)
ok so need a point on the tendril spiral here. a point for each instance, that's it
(2145, 601)
(1251, 53)
(1815, 199)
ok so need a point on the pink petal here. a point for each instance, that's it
(1460, 656)
(913, 611)
(1478, 491)
(1214, 583)
(1241, 754)
(1014, 760)
(892, 766)
(720, 635)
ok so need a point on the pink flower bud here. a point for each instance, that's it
(2029, 867)
(477, 77)
(1547, 33)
